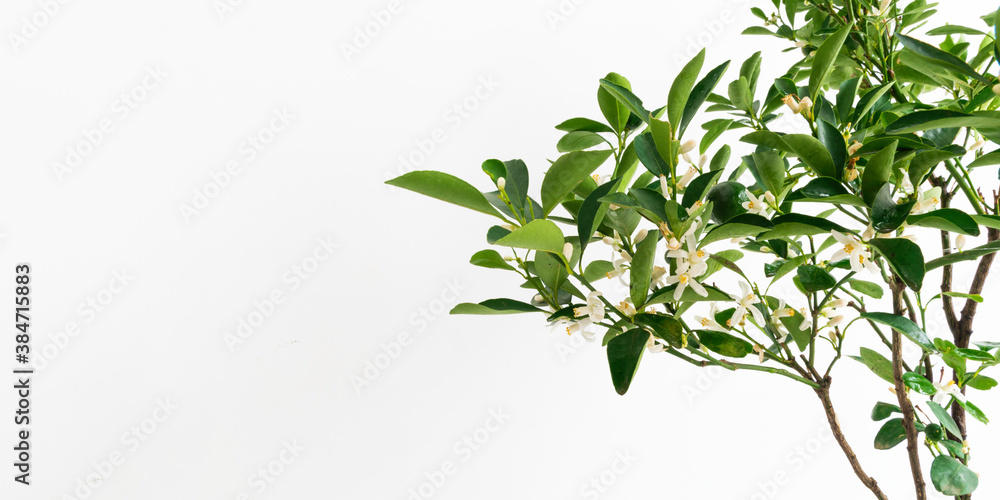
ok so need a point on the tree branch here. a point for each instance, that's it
(912, 443)
(831, 417)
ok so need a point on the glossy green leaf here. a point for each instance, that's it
(952, 478)
(541, 235)
(578, 141)
(882, 411)
(877, 363)
(583, 125)
(814, 279)
(903, 325)
(566, 173)
(981, 383)
(490, 259)
(904, 257)
(824, 59)
(645, 149)
(725, 344)
(940, 57)
(986, 160)
(965, 255)
(868, 101)
(944, 417)
(940, 118)
(445, 187)
(891, 434)
(697, 97)
(592, 212)
(680, 90)
(616, 113)
(697, 188)
(834, 142)
(624, 353)
(887, 215)
(868, 288)
(495, 306)
(642, 268)
(666, 295)
(974, 411)
(768, 168)
(975, 355)
(738, 227)
(826, 190)
(662, 326)
(626, 99)
(812, 153)
(918, 383)
(794, 225)
(946, 219)
(876, 173)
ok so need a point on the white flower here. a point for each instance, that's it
(746, 300)
(657, 276)
(759, 349)
(854, 250)
(804, 104)
(883, 8)
(776, 315)
(615, 243)
(697, 206)
(756, 205)
(664, 187)
(807, 320)
(693, 256)
(627, 308)
(594, 310)
(944, 392)
(654, 344)
(868, 234)
(927, 201)
(791, 103)
(688, 177)
(684, 278)
(620, 267)
(709, 322)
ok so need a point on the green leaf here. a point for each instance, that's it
(903, 325)
(952, 478)
(891, 434)
(877, 172)
(680, 90)
(578, 141)
(696, 189)
(592, 212)
(867, 101)
(971, 296)
(738, 227)
(740, 95)
(945, 418)
(583, 125)
(666, 295)
(445, 187)
(495, 306)
(974, 411)
(566, 173)
(645, 149)
(812, 153)
(542, 235)
(887, 215)
(490, 259)
(919, 121)
(981, 383)
(662, 326)
(946, 219)
(614, 112)
(987, 159)
(868, 288)
(971, 254)
(642, 268)
(769, 169)
(882, 411)
(834, 142)
(794, 225)
(904, 257)
(725, 344)
(814, 279)
(790, 265)
(877, 363)
(626, 99)
(940, 57)
(975, 355)
(698, 95)
(551, 270)
(845, 99)
(495, 233)
(824, 59)
(624, 354)
(918, 383)
(826, 190)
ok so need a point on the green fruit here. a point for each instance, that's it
(727, 200)
(935, 432)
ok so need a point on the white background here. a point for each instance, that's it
(159, 340)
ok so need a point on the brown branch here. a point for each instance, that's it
(912, 443)
(838, 434)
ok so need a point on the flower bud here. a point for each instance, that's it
(501, 183)
(568, 251)
(800, 43)
(664, 188)
(641, 235)
(608, 240)
(996, 89)
(805, 104)
(978, 145)
(688, 146)
(884, 6)
(960, 242)
(854, 147)
(769, 196)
